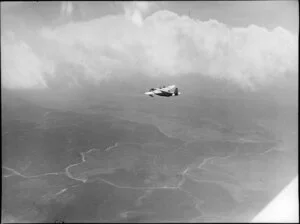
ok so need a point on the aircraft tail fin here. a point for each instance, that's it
(176, 91)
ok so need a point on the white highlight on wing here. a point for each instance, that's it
(283, 208)
(168, 88)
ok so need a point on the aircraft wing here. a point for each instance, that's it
(157, 91)
(168, 88)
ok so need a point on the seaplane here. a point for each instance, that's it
(168, 91)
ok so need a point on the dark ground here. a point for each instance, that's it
(130, 158)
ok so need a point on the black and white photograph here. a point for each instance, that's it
(149, 111)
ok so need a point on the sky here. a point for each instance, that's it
(46, 44)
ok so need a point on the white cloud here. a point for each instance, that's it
(21, 67)
(163, 44)
(136, 11)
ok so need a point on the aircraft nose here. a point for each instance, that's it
(149, 94)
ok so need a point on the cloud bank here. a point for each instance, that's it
(135, 11)
(161, 44)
